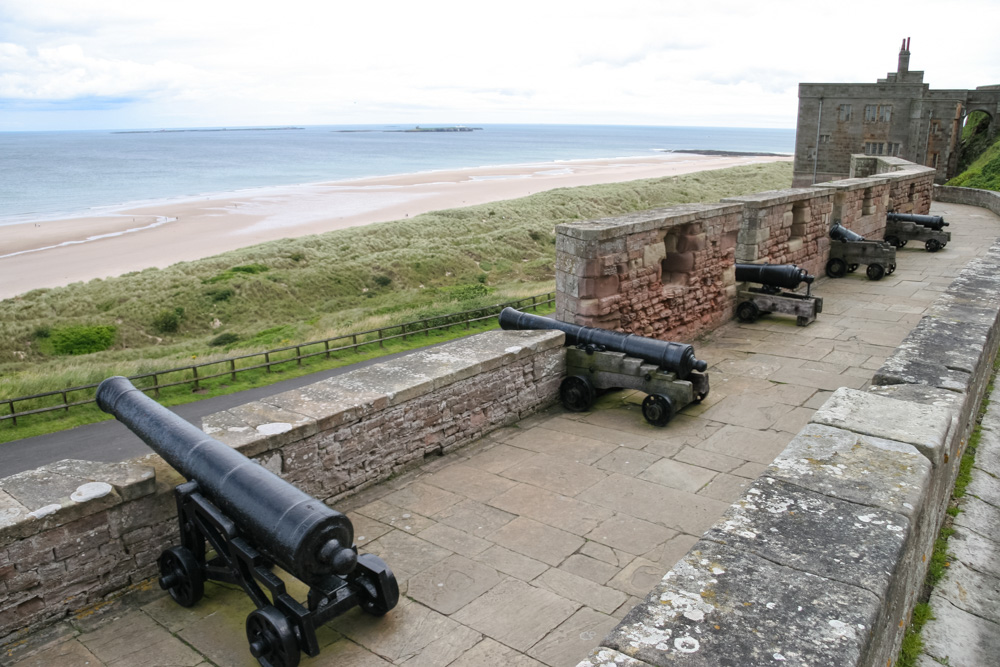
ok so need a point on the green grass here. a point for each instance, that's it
(983, 173)
(326, 285)
(51, 422)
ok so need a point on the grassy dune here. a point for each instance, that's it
(319, 286)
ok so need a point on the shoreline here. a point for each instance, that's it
(57, 252)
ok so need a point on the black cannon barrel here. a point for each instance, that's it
(675, 357)
(935, 222)
(295, 530)
(787, 276)
(840, 233)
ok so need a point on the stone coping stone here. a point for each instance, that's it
(858, 468)
(67, 490)
(259, 426)
(923, 394)
(926, 427)
(605, 657)
(939, 352)
(644, 221)
(850, 184)
(722, 605)
(776, 197)
(812, 533)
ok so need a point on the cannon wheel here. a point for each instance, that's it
(890, 269)
(851, 268)
(836, 268)
(576, 393)
(181, 575)
(894, 241)
(875, 271)
(657, 409)
(933, 245)
(747, 311)
(272, 638)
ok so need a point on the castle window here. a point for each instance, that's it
(893, 149)
(845, 112)
(824, 138)
(885, 113)
(871, 113)
(876, 148)
(934, 160)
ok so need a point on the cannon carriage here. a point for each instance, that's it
(598, 360)
(850, 250)
(238, 521)
(770, 297)
(927, 229)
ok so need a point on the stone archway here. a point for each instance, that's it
(978, 131)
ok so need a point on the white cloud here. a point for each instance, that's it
(666, 62)
(66, 73)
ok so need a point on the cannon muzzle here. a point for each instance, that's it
(934, 222)
(787, 276)
(677, 358)
(841, 233)
(293, 529)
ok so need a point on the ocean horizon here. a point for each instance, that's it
(59, 175)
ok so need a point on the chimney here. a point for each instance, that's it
(904, 57)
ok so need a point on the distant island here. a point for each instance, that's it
(717, 153)
(214, 129)
(448, 128)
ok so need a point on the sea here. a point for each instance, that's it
(55, 175)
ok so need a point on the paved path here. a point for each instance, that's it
(526, 547)
(965, 631)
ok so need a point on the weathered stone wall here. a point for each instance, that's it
(969, 196)
(910, 186)
(665, 273)
(785, 227)
(860, 204)
(75, 533)
(668, 273)
(822, 559)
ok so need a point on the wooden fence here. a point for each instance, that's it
(197, 373)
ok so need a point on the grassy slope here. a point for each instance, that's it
(319, 286)
(984, 173)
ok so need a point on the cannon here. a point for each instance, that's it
(239, 520)
(903, 227)
(752, 302)
(853, 250)
(598, 359)
(935, 222)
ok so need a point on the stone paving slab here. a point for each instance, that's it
(965, 630)
(526, 547)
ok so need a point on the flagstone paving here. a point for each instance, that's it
(527, 547)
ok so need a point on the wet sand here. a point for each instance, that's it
(59, 252)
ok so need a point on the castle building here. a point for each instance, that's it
(897, 116)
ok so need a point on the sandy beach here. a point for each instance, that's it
(59, 252)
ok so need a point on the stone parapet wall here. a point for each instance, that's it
(76, 533)
(824, 556)
(668, 273)
(910, 185)
(665, 273)
(969, 196)
(860, 204)
(785, 227)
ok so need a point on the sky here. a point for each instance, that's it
(109, 64)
